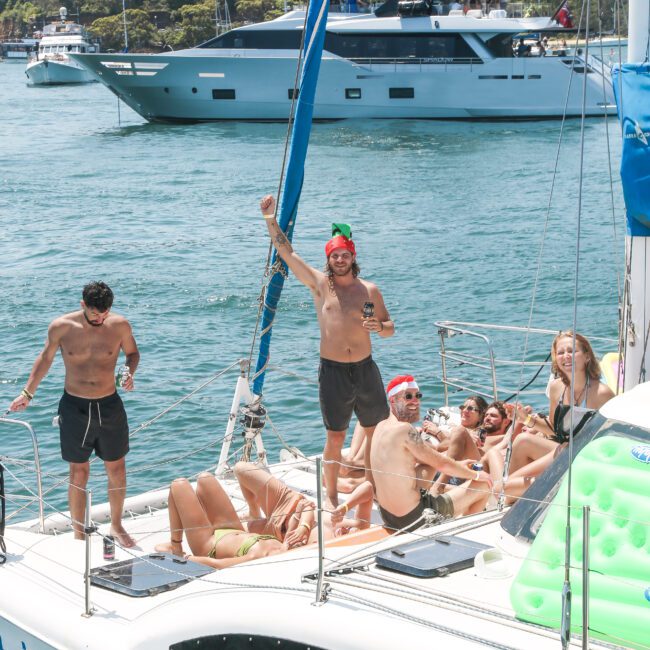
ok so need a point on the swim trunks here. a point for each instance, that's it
(441, 503)
(246, 545)
(93, 424)
(348, 387)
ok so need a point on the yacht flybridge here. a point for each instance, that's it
(380, 65)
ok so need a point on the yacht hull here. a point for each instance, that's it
(197, 87)
(47, 72)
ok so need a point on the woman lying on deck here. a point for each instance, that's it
(217, 536)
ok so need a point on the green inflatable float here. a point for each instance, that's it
(612, 476)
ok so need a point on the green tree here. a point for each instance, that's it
(141, 31)
(105, 7)
(195, 24)
(256, 11)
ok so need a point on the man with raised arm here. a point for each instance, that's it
(349, 379)
(91, 413)
(400, 458)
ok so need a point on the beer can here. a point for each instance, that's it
(122, 375)
(368, 309)
(109, 547)
(477, 467)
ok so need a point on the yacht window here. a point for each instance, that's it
(292, 94)
(223, 93)
(500, 46)
(399, 46)
(257, 39)
(353, 93)
(401, 93)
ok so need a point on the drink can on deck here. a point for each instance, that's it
(109, 547)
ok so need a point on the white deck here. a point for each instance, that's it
(44, 574)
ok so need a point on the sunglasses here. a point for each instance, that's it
(469, 408)
(410, 396)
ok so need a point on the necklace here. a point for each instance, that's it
(582, 393)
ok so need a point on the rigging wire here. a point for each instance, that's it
(267, 269)
(566, 590)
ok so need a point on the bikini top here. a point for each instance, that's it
(562, 418)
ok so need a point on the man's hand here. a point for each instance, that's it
(19, 404)
(267, 205)
(372, 324)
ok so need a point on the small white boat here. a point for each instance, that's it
(52, 64)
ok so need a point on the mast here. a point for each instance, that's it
(635, 121)
(313, 40)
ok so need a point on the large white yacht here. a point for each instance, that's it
(379, 65)
(52, 64)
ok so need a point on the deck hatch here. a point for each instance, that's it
(147, 575)
(430, 558)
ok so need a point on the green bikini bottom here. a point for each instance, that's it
(246, 546)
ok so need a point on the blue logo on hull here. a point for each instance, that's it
(641, 453)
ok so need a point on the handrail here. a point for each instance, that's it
(37, 464)
(486, 361)
(443, 330)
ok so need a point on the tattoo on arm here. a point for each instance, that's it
(281, 239)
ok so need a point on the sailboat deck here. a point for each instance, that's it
(269, 596)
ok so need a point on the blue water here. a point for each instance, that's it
(447, 218)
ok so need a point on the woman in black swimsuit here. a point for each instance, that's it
(534, 451)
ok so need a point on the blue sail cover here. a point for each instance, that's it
(312, 51)
(632, 91)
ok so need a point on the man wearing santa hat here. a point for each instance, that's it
(399, 458)
(349, 309)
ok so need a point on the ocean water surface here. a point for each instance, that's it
(448, 219)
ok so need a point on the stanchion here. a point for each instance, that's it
(321, 588)
(585, 577)
(88, 531)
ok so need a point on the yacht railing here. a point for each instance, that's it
(37, 467)
(369, 62)
(491, 360)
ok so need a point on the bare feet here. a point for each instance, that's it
(122, 537)
(175, 548)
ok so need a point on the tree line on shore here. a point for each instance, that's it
(155, 25)
(152, 25)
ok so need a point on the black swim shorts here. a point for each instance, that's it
(348, 387)
(441, 503)
(93, 424)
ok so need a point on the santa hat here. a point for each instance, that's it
(340, 241)
(400, 383)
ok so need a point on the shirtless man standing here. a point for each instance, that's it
(349, 379)
(399, 457)
(91, 413)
